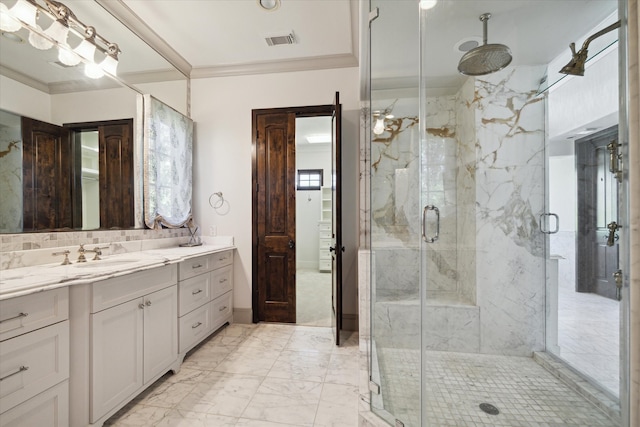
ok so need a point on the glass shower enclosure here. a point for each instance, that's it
(464, 245)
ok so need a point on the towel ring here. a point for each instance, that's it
(218, 203)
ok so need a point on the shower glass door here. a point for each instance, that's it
(395, 213)
(584, 306)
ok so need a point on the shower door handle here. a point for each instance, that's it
(542, 222)
(424, 223)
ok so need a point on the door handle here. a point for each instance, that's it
(292, 244)
(557, 227)
(424, 223)
(613, 227)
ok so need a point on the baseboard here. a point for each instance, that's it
(349, 322)
(243, 315)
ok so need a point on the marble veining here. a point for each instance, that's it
(37, 278)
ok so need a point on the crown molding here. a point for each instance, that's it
(25, 80)
(277, 66)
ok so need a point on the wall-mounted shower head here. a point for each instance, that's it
(575, 67)
(487, 58)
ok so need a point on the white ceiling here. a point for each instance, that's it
(223, 37)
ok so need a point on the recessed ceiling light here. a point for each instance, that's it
(269, 5)
(467, 44)
(13, 37)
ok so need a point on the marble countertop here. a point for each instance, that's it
(26, 280)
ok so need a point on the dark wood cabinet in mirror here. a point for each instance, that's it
(33, 85)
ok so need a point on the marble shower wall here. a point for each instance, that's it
(509, 198)
(10, 173)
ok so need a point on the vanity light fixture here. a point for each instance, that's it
(380, 118)
(63, 25)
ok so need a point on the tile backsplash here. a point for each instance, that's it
(30, 241)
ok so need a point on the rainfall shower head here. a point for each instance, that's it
(487, 58)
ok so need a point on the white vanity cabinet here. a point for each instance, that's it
(205, 295)
(125, 337)
(34, 359)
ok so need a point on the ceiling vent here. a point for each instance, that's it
(280, 39)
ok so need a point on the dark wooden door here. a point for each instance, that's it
(597, 207)
(337, 247)
(274, 216)
(47, 172)
(116, 174)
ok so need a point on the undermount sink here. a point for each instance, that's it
(103, 263)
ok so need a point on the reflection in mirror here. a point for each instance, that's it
(33, 84)
(10, 173)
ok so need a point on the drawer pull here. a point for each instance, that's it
(20, 369)
(15, 317)
(222, 308)
(196, 292)
(141, 305)
(196, 325)
(194, 266)
(222, 259)
(222, 280)
(148, 303)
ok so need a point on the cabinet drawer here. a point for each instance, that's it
(30, 312)
(325, 265)
(195, 266)
(325, 244)
(221, 281)
(194, 327)
(32, 363)
(324, 226)
(193, 292)
(117, 290)
(49, 408)
(221, 259)
(325, 234)
(221, 308)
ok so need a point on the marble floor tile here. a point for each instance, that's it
(222, 394)
(301, 365)
(336, 409)
(285, 401)
(181, 418)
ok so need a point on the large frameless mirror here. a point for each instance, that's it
(36, 85)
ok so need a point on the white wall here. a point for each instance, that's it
(23, 100)
(308, 204)
(563, 191)
(221, 108)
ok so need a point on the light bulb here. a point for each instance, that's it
(86, 49)
(7, 22)
(25, 12)
(378, 128)
(68, 57)
(58, 31)
(93, 70)
(39, 42)
(427, 4)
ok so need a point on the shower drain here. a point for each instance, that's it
(489, 408)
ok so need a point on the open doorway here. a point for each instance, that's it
(313, 221)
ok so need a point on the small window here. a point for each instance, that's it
(309, 179)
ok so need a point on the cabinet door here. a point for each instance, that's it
(160, 331)
(116, 355)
